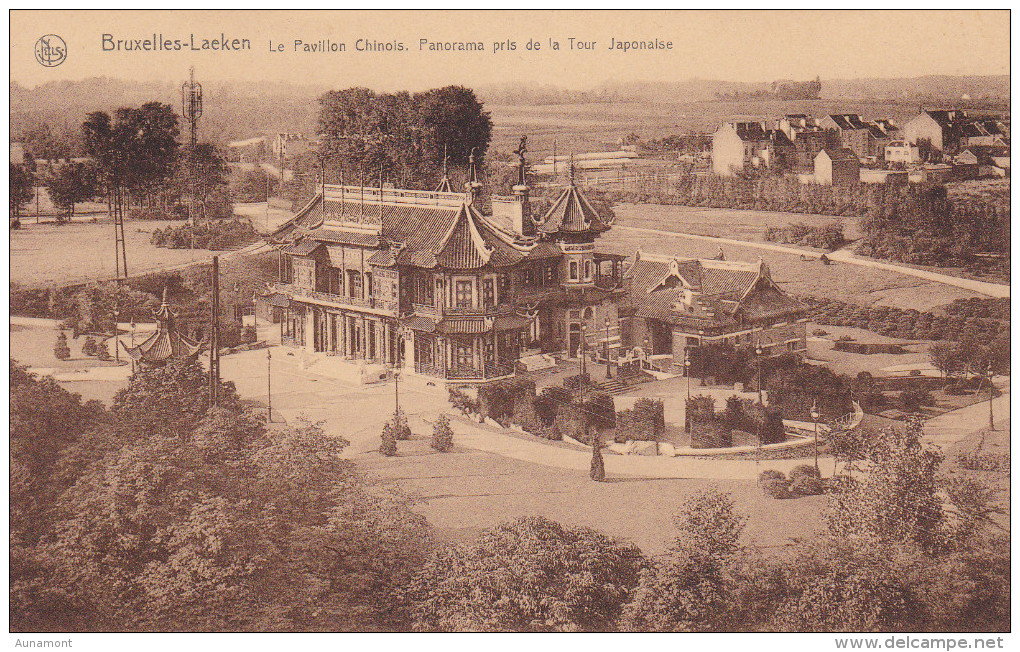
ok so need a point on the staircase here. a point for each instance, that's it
(613, 386)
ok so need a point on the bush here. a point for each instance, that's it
(103, 353)
(442, 434)
(807, 486)
(61, 350)
(644, 422)
(577, 381)
(249, 334)
(913, 399)
(778, 489)
(88, 347)
(401, 430)
(388, 445)
(461, 401)
(768, 475)
(819, 332)
(804, 471)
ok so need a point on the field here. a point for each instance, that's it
(851, 283)
(54, 254)
(585, 127)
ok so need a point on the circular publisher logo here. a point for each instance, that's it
(50, 50)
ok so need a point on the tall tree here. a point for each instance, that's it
(73, 183)
(21, 182)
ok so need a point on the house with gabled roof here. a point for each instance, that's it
(854, 133)
(837, 166)
(674, 304)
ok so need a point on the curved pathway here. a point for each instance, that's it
(844, 256)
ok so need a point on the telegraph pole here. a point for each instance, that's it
(214, 335)
(269, 382)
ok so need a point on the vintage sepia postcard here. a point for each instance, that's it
(510, 321)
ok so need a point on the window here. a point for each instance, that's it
(463, 354)
(336, 281)
(462, 296)
(488, 293)
(587, 270)
(573, 270)
(355, 285)
(368, 284)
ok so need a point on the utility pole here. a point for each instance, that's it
(396, 391)
(214, 335)
(269, 382)
(991, 393)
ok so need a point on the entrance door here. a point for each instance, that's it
(573, 340)
(333, 335)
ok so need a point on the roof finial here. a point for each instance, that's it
(446, 161)
(522, 166)
(571, 168)
(471, 163)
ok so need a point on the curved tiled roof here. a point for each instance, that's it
(572, 213)
(166, 343)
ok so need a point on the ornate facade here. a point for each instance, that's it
(428, 282)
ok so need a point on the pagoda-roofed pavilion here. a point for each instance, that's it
(167, 343)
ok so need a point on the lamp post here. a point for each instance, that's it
(758, 351)
(396, 391)
(814, 417)
(605, 350)
(269, 382)
(582, 352)
(116, 334)
(687, 371)
(991, 393)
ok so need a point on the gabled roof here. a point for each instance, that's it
(779, 138)
(750, 131)
(839, 154)
(660, 287)
(845, 121)
(572, 213)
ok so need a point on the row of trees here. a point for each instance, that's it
(401, 136)
(162, 513)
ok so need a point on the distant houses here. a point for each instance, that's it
(935, 145)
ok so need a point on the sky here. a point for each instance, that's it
(747, 46)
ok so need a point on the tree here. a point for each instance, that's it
(201, 172)
(400, 135)
(598, 465)
(73, 183)
(61, 351)
(21, 188)
(945, 356)
(401, 430)
(897, 500)
(530, 575)
(233, 527)
(689, 589)
(167, 399)
(388, 445)
(442, 434)
(88, 347)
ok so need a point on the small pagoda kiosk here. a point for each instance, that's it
(166, 344)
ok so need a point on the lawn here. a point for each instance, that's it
(860, 285)
(54, 254)
(465, 491)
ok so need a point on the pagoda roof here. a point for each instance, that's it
(166, 342)
(572, 213)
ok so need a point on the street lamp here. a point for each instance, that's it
(605, 350)
(687, 371)
(581, 353)
(758, 351)
(991, 393)
(814, 417)
(269, 382)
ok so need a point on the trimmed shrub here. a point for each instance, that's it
(804, 471)
(778, 489)
(913, 399)
(601, 411)
(526, 417)
(401, 430)
(61, 351)
(577, 381)
(388, 445)
(548, 403)
(769, 475)
(572, 421)
(645, 421)
(597, 471)
(807, 486)
(102, 353)
(249, 334)
(88, 347)
(442, 434)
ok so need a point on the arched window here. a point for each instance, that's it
(573, 270)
